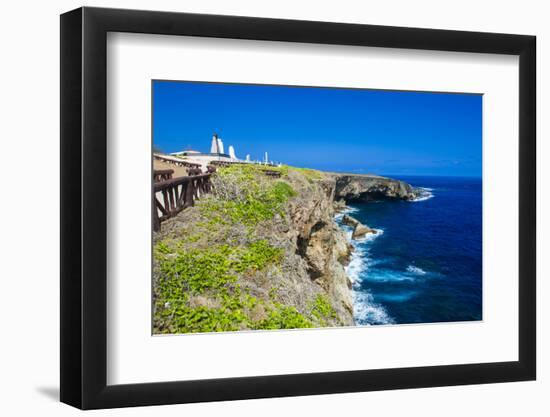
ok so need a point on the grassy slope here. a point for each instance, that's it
(225, 266)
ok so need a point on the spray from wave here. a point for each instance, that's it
(339, 216)
(415, 270)
(366, 310)
(424, 194)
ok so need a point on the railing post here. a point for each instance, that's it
(174, 201)
(155, 214)
(189, 192)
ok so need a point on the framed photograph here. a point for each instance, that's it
(256, 208)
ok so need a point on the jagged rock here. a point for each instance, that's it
(359, 229)
(321, 243)
(343, 249)
(339, 205)
(350, 221)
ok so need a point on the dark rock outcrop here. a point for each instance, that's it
(359, 229)
(356, 187)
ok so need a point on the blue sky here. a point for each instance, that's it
(353, 130)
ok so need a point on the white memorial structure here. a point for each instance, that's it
(217, 153)
(232, 153)
(217, 145)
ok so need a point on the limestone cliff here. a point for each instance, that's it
(357, 187)
(320, 243)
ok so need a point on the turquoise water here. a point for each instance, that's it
(425, 264)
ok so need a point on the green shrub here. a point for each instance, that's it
(244, 195)
(194, 270)
(212, 272)
(257, 256)
(322, 310)
(283, 317)
(186, 319)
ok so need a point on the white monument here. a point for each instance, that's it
(232, 152)
(266, 159)
(248, 158)
(214, 147)
(217, 144)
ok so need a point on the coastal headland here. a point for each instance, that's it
(368, 187)
(261, 251)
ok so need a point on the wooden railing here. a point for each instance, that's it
(162, 175)
(172, 196)
(194, 171)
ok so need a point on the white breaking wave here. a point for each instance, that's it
(415, 270)
(390, 276)
(367, 312)
(359, 261)
(356, 266)
(369, 236)
(425, 194)
(338, 217)
(423, 198)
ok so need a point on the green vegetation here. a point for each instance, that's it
(198, 292)
(243, 195)
(284, 317)
(310, 174)
(204, 278)
(208, 276)
(248, 172)
(322, 309)
(198, 270)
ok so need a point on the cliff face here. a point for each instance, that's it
(351, 188)
(320, 243)
(259, 253)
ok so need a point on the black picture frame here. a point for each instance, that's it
(84, 207)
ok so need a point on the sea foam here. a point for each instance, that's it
(415, 270)
(368, 312)
(425, 194)
(365, 310)
(357, 265)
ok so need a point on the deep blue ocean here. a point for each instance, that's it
(425, 264)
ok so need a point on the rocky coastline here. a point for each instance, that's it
(298, 276)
